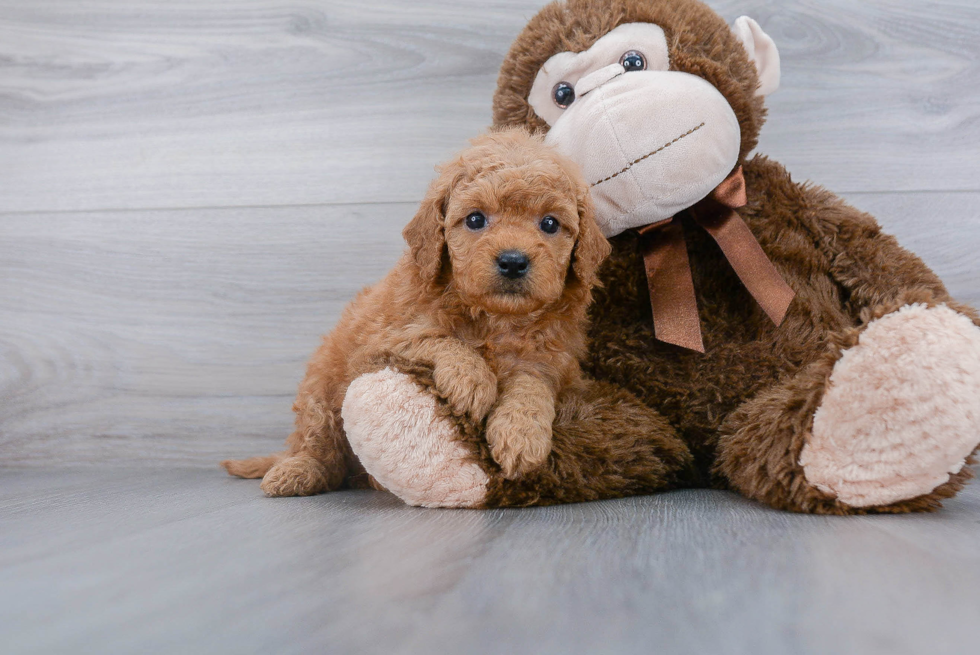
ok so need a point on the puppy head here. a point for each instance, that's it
(508, 225)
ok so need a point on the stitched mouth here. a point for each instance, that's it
(648, 155)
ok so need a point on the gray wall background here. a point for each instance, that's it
(191, 191)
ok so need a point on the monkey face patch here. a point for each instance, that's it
(651, 141)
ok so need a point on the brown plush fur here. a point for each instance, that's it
(745, 408)
(498, 349)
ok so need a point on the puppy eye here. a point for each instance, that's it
(550, 225)
(633, 61)
(563, 94)
(476, 221)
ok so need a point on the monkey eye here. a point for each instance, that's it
(563, 94)
(550, 225)
(476, 221)
(633, 61)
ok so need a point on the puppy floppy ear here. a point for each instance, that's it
(425, 234)
(591, 248)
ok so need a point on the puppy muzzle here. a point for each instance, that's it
(650, 143)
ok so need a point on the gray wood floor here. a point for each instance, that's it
(189, 194)
(183, 561)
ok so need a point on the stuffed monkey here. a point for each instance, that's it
(751, 333)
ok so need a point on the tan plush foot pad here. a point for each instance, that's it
(394, 430)
(902, 410)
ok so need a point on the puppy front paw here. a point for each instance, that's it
(469, 386)
(519, 443)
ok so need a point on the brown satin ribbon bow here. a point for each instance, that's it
(675, 308)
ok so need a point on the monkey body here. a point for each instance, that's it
(861, 398)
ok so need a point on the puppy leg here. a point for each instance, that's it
(519, 427)
(298, 475)
(460, 375)
(318, 456)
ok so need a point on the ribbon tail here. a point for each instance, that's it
(750, 262)
(675, 308)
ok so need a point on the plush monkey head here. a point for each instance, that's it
(658, 101)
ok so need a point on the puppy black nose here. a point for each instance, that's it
(512, 264)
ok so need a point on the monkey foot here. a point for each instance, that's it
(902, 410)
(394, 429)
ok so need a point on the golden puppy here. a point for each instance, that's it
(492, 295)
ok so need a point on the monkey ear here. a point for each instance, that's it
(762, 52)
(425, 233)
(591, 248)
